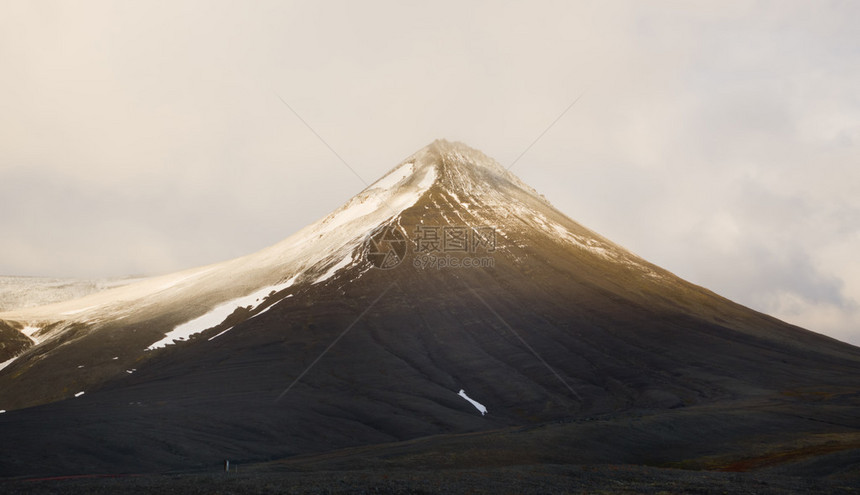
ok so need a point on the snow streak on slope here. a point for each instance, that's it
(394, 177)
(480, 407)
(334, 269)
(218, 315)
(7, 362)
(29, 331)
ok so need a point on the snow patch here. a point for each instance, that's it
(79, 394)
(222, 333)
(427, 181)
(7, 363)
(217, 315)
(29, 331)
(261, 312)
(480, 407)
(394, 177)
(2, 411)
(334, 268)
(356, 210)
(459, 201)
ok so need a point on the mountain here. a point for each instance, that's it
(446, 315)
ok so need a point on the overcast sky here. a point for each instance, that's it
(720, 140)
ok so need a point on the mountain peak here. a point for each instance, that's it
(443, 146)
(475, 284)
(461, 169)
(458, 153)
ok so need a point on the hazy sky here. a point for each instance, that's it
(720, 140)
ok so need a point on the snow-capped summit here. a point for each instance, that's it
(467, 187)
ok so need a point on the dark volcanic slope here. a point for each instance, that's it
(563, 326)
(12, 341)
